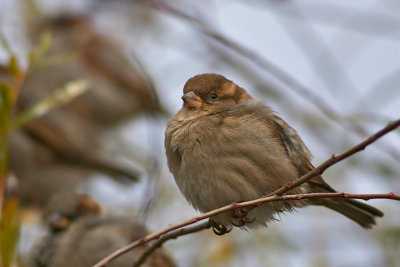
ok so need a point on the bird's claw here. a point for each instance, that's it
(240, 215)
(220, 229)
(243, 221)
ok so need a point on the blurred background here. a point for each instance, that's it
(88, 87)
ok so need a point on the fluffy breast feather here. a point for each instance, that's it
(227, 157)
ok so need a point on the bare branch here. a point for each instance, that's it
(173, 235)
(274, 196)
(331, 14)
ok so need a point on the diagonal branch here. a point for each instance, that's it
(165, 238)
(274, 196)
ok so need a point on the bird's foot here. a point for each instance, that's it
(240, 222)
(219, 229)
(240, 217)
(240, 213)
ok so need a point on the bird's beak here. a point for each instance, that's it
(192, 100)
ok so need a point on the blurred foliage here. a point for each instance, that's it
(4, 43)
(9, 204)
(390, 240)
(38, 53)
(221, 250)
(13, 68)
(9, 231)
(9, 218)
(57, 98)
(6, 108)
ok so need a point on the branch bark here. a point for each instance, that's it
(163, 239)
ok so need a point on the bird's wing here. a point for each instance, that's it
(294, 146)
(299, 154)
(359, 212)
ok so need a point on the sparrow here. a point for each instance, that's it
(80, 235)
(223, 147)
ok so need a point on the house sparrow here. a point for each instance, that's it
(80, 236)
(223, 146)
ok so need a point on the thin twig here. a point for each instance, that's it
(340, 17)
(173, 235)
(248, 53)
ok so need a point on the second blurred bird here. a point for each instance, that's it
(80, 235)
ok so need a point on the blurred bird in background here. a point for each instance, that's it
(80, 235)
(56, 151)
(66, 141)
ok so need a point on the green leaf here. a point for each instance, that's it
(13, 67)
(59, 97)
(41, 49)
(54, 60)
(9, 231)
(5, 98)
(5, 112)
(4, 43)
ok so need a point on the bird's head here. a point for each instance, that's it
(64, 208)
(210, 93)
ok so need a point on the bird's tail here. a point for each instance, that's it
(357, 211)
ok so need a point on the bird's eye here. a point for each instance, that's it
(214, 96)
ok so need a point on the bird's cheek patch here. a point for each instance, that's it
(193, 103)
(229, 89)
